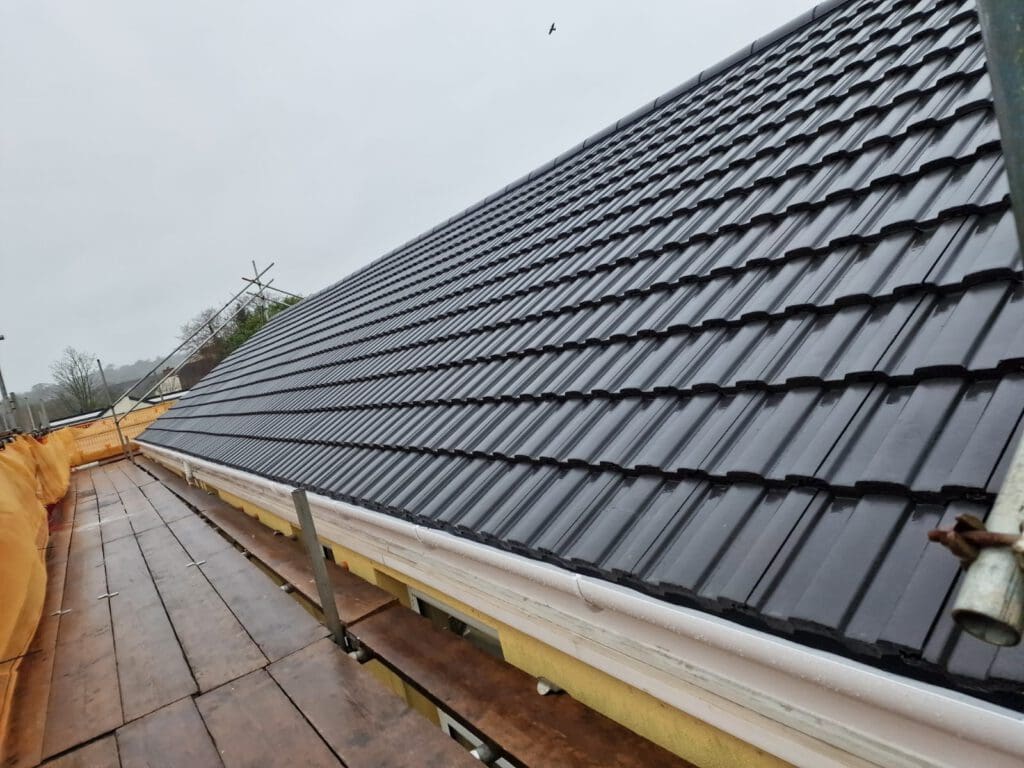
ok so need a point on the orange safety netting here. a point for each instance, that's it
(33, 474)
(98, 439)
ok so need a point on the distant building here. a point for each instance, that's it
(171, 384)
(122, 405)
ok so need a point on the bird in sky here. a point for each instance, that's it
(552, 28)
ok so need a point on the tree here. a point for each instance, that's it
(218, 337)
(204, 326)
(76, 380)
(248, 321)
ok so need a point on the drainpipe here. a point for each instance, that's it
(1002, 27)
(990, 604)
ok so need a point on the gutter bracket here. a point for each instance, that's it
(969, 536)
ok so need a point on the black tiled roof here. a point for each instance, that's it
(741, 352)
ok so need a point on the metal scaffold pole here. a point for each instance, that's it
(1002, 28)
(6, 411)
(113, 410)
(316, 558)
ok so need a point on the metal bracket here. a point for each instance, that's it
(485, 754)
(324, 588)
(546, 688)
(360, 653)
(108, 595)
(969, 536)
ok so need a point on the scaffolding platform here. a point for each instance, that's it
(163, 644)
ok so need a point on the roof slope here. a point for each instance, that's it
(741, 353)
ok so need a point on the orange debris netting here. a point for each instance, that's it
(98, 440)
(35, 474)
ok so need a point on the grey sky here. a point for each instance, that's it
(149, 150)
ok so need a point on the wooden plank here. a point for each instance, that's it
(172, 737)
(109, 505)
(138, 476)
(79, 676)
(61, 523)
(168, 506)
(501, 701)
(254, 724)
(81, 482)
(99, 754)
(85, 577)
(156, 469)
(84, 700)
(176, 486)
(23, 743)
(140, 512)
(216, 645)
(126, 567)
(195, 497)
(199, 539)
(354, 597)
(151, 667)
(277, 623)
(114, 523)
(101, 482)
(117, 475)
(56, 558)
(365, 724)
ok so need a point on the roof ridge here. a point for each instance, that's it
(760, 44)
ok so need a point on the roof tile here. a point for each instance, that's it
(740, 350)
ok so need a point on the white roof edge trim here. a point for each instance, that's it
(808, 707)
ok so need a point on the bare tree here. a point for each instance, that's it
(76, 380)
(204, 326)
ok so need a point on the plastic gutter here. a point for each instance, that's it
(806, 706)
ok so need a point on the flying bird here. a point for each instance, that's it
(552, 28)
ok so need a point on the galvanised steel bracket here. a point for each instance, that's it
(307, 533)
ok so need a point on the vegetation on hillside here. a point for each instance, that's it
(216, 337)
(77, 387)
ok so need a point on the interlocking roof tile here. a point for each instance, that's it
(741, 350)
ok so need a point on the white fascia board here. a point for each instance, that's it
(806, 706)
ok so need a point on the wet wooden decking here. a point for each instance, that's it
(161, 644)
(495, 699)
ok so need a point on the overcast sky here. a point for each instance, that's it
(150, 150)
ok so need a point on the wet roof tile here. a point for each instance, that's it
(741, 351)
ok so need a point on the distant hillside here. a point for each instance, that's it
(120, 378)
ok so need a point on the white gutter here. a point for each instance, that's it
(805, 706)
